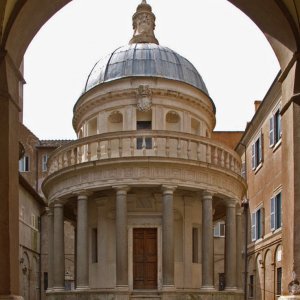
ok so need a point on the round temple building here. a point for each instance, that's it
(145, 183)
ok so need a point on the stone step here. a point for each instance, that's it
(145, 296)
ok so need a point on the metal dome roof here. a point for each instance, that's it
(144, 59)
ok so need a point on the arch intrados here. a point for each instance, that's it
(276, 26)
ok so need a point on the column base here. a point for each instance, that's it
(58, 288)
(231, 289)
(10, 297)
(122, 288)
(168, 288)
(208, 288)
(83, 287)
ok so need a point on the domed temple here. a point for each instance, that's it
(145, 182)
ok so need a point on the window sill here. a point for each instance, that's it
(277, 145)
(258, 167)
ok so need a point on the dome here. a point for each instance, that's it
(144, 59)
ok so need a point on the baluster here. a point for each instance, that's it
(59, 162)
(99, 150)
(65, 160)
(89, 146)
(79, 155)
(179, 147)
(72, 157)
(208, 154)
(155, 146)
(56, 163)
(120, 147)
(199, 151)
(222, 159)
(189, 150)
(227, 160)
(109, 148)
(144, 146)
(131, 146)
(215, 158)
(232, 163)
(167, 147)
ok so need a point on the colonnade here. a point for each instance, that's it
(56, 242)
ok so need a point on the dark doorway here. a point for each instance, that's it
(144, 258)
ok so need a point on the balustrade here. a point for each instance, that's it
(141, 143)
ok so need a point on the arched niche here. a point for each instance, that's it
(173, 121)
(115, 121)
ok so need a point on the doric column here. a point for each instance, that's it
(82, 258)
(50, 248)
(230, 245)
(168, 236)
(207, 242)
(239, 240)
(121, 236)
(58, 244)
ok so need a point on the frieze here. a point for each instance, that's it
(101, 177)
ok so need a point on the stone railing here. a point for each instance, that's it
(144, 143)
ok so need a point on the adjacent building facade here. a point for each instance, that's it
(261, 151)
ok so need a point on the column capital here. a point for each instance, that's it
(121, 189)
(83, 194)
(231, 203)
(58, 205)
(207, 195)
(49, 211)
(168, 189)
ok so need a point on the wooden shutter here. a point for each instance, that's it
(271, 132)
(260, 148)
(253, 226)
(273, 208)
(253, 156)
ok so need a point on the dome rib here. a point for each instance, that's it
(144, 60)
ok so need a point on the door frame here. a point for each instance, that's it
(130, 254)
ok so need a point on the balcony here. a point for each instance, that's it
(145, 143)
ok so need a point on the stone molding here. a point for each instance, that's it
(90, 176)
(95, 98)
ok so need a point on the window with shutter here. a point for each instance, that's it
(273, 214)
(271, 132)
(275, 128)
(253, 227)
(253, 157)
(257, 152)
(276, 209)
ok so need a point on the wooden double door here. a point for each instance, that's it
(145, 258)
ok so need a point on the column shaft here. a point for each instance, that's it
(58, 244)
(121, 238)
(239, 241)
(207, 242)
(168, 237)
(50, 248)
(82, 259)
(230, 246)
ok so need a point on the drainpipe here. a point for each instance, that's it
(245, 205)
(41, 254)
